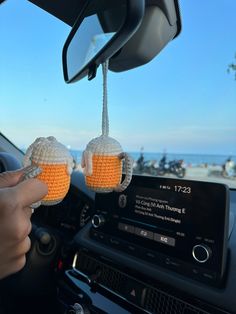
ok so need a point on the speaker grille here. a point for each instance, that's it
(162, 303)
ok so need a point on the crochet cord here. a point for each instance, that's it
(105, 118)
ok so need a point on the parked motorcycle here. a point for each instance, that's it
(152, 167)
(145, 167)
(174, 167)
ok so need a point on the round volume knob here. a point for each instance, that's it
(78, 309)
(201, 253)
(98, 221)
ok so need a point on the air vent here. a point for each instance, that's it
(162, 303)
(151, 299)
(106, 276)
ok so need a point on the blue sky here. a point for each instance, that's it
(183, 101)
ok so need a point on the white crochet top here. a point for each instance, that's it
(104, 145)
(47, 150)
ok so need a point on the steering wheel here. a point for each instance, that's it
(8, 162)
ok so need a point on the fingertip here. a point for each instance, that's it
(31, 191)
(42, 185)
(39, 185)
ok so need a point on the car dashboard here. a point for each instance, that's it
(97, 273)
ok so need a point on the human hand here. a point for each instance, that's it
(16, 196)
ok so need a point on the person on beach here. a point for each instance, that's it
(229, 167)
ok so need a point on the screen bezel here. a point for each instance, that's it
(108, 204)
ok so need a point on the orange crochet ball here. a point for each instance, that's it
(107, 171)
(57, 180)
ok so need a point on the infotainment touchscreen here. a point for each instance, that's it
(179, 219)
(179, 209)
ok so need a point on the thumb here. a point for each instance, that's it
(30, 191)
(10, 178)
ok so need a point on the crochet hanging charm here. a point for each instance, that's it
(103, 156)
(55, 164)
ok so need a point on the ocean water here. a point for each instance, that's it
(189, 159)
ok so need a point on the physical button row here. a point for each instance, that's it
(147, 234)
(156, 258)
(130, 248)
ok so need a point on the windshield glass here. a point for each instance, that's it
(175, 115)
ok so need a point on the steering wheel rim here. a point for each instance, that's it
(8, 162)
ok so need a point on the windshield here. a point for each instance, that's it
(175, 115)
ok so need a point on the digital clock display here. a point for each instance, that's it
(182, 189)
(177, 188)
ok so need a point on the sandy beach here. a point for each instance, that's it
(209, 173)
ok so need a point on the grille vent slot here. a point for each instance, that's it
(162, 303)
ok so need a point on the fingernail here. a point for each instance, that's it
(35, 205)
(31, 172)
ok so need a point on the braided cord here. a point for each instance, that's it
(105, 118)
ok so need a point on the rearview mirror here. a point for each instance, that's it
(102, 28)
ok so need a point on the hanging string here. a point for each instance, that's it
(105, 118)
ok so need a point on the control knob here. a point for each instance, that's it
(98, 221)
(201, 253)
(46, 244)
(78, 309)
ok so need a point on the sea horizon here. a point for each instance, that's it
(189, 158)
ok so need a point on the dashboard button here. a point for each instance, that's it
(195, 271)
(97, 235)
(209, 276)
(150, 255)
(164, 239)
(135, 292)
(94, 234)
(201, 253)
(172, 262)
(153, 257)
(101, 236)
(144, 233)
(115, 242)
(131, 249)
(125, 227)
